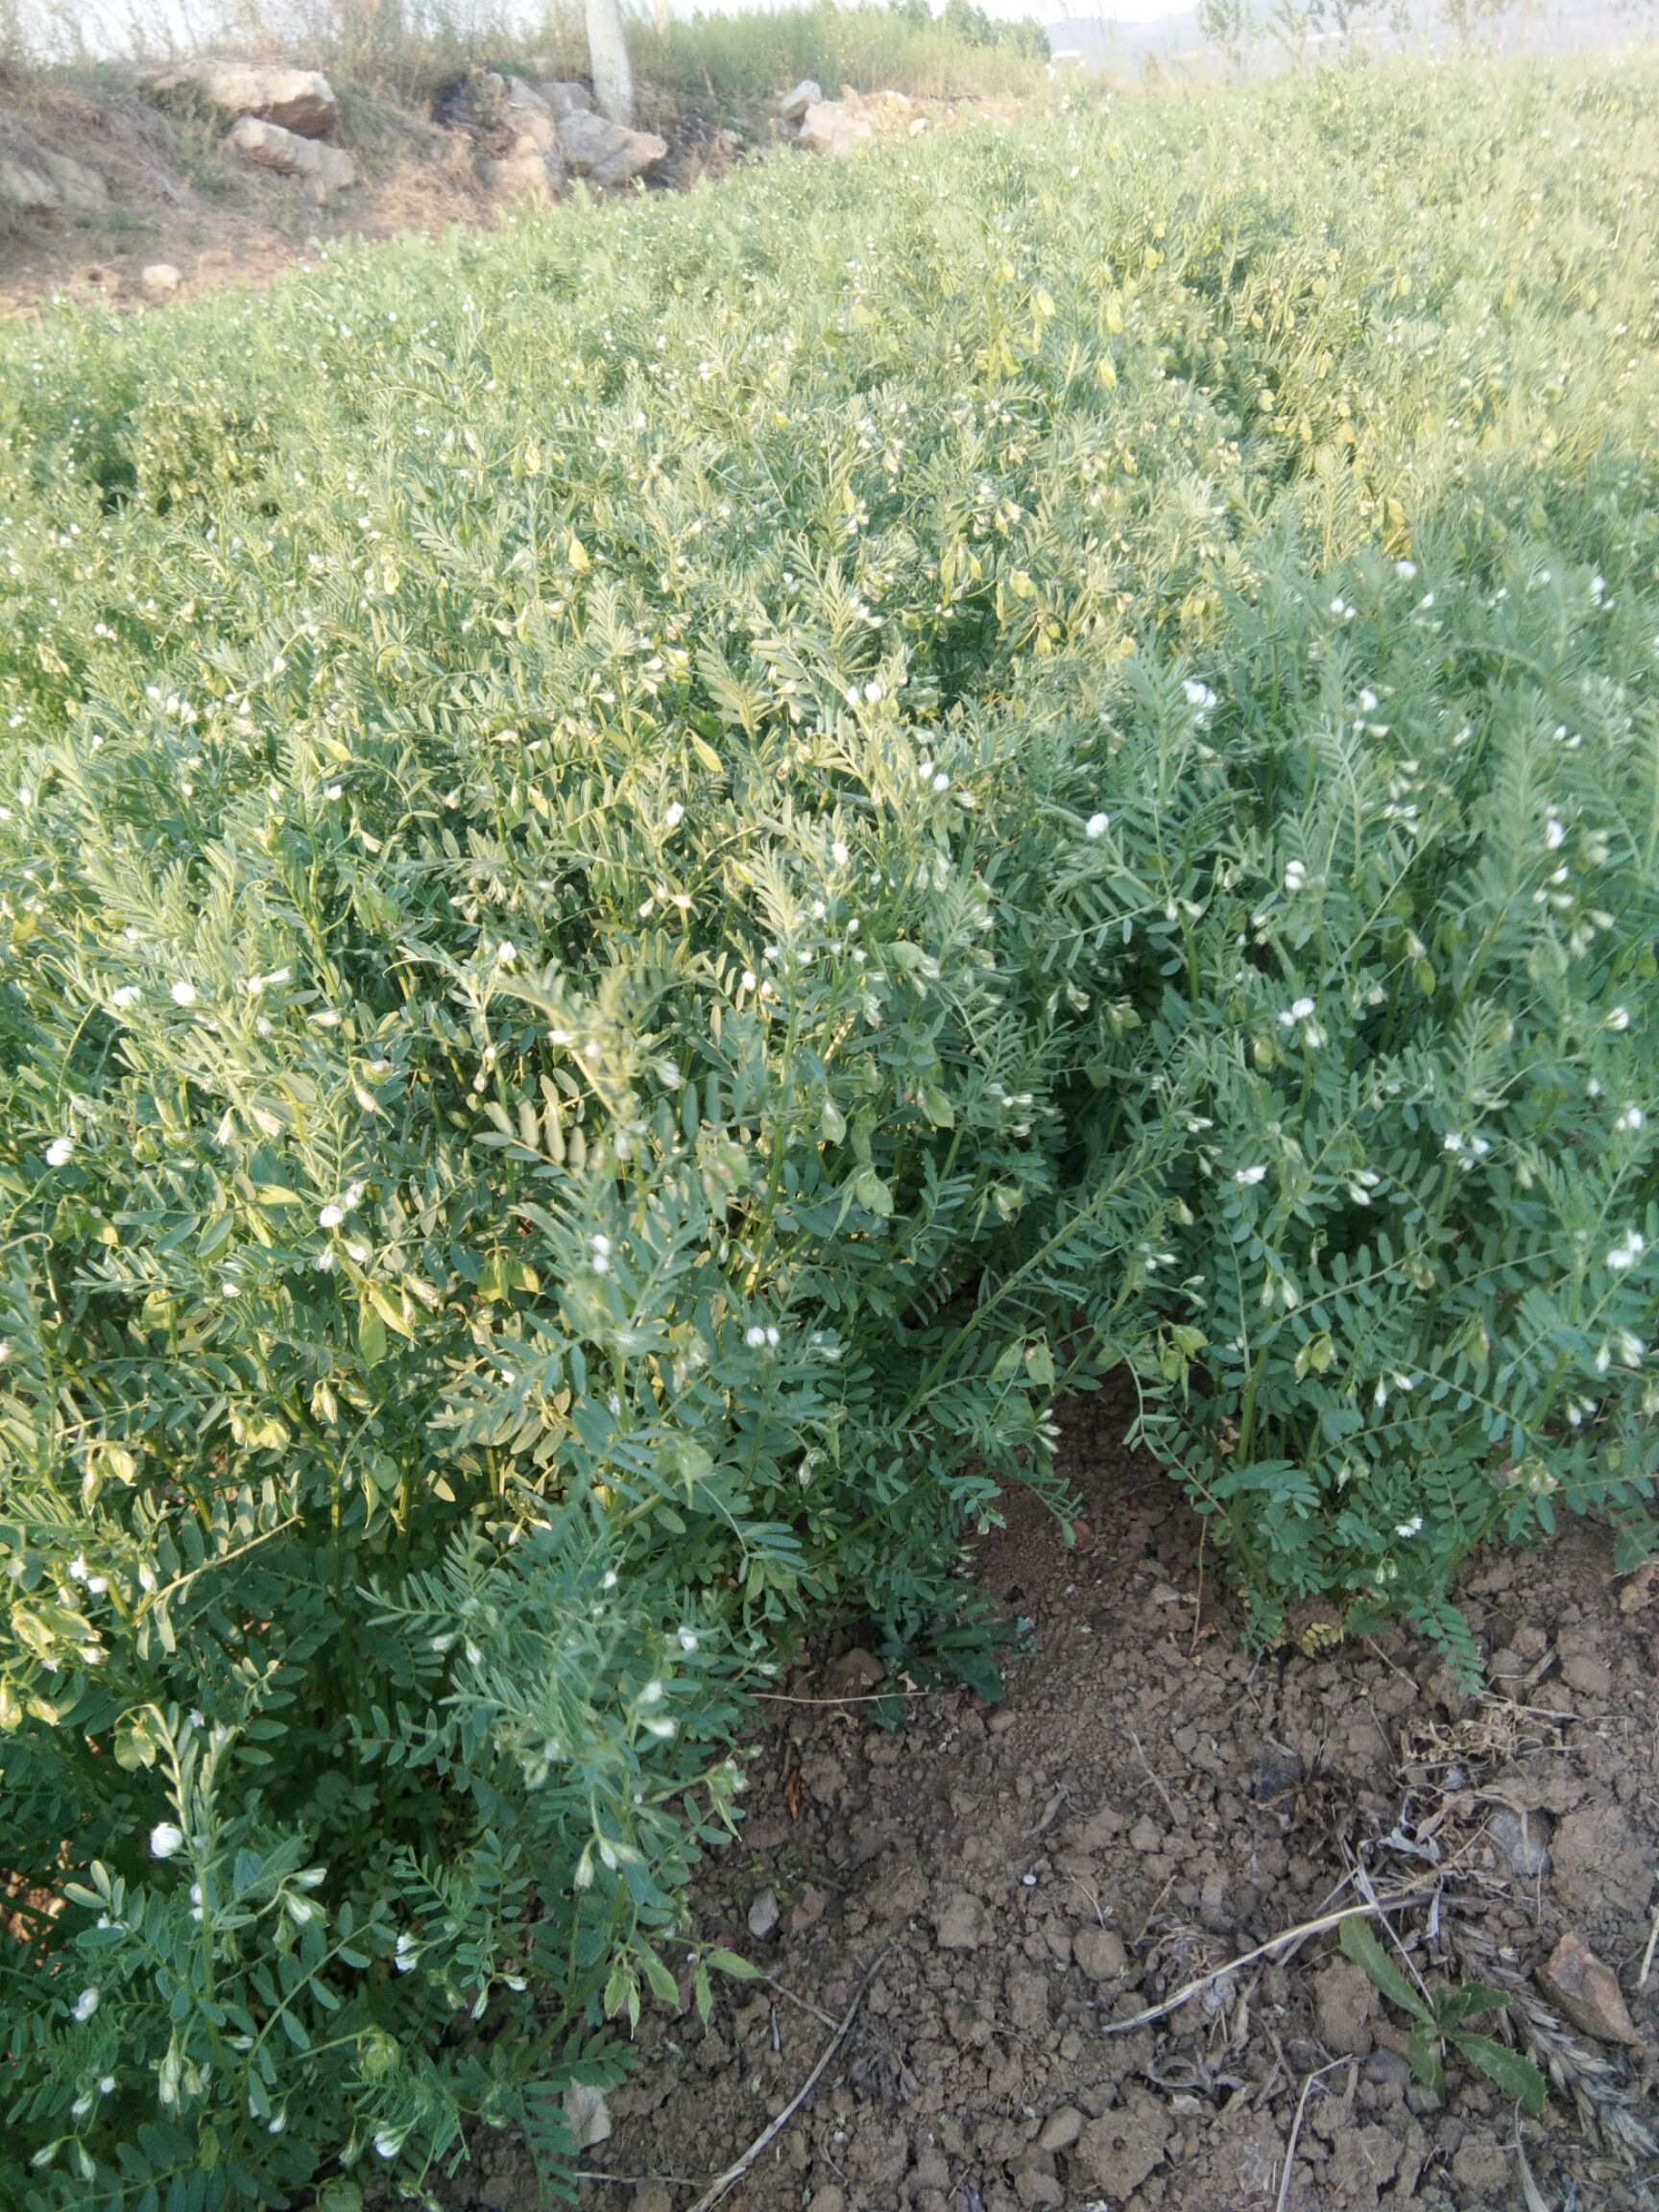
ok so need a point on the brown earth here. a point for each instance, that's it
(1148, 1803)
(178, 197)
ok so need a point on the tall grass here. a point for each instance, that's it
(406, 47)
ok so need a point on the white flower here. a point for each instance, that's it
(330, 1216)
(748, 978)
(1619, 1019)
(334, 791)
(165, 1839)
(1454, 1143)
(183, 993)
(506, 951)
(58, 1150)
(128, 994)
(403, 1959)
(838, 854)
(1198, 696)
(600, 1243)
(86, 2004)
(1301, 1009)
(1367, 701)
(688, 1639)
(1626, 1255)
(1408, 569)
(323, 1263)
(755, 1338)
(1295, 876)
(1250, 1175)
(941, 782)
(675, 815)
(1630, 1119)
(872, 691)
(1097, 826)
(1554, 835)
(388, 2144)
(1408, 1527)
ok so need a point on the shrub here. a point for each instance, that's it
(663, 870)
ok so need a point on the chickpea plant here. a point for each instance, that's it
(660, 873)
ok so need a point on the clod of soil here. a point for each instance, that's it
(1148, 1803)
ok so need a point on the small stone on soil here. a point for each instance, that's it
(1587, 1992)
(1100, 1953)
(764, 1914)
(586, 2115)
(1061, 2129)
(1344, 2000)
(1524, 1837)
(959, 1924)
(1121, 2148)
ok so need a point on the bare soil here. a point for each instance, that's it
(1148, 1803)
(176, 196)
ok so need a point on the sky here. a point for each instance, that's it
(100, 23)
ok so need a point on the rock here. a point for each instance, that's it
(830, 126)
(1121, 2148)
(765, 1916)
(324, 167)
(808, 1910)
(1602, 1871)
(855, 1674)
(1387, 2069)
(526, 175)
(298, 100)
(1587, 1992)
(528, 113)
(652, 2197)
(899, 1892)
(1363, 2161)
(1061, 2129)
(46, 184)
(1483, 2166)
(959, 1924)
(1100, 1953)
(1590, 1676)
(607, 152)
(1028, 1999)
(1036, 2186)
(794, 105)
(1001, 1720)
(1524, 1837)
(587, 2116)
(159, 280)
(1344, 2000)
(567, 98)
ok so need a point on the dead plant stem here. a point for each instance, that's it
(1299, 1934)
(734, 2173)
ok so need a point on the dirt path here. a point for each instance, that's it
(1147, 1804)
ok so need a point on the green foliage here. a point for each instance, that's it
(663, 870)
(752, 56)
(1439, 2019)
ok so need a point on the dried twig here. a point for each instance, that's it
(1297, 1935)
(871, 1698)
(1647, 1955)
(1146, 1769)
(1296, 2129)
(734, 2173)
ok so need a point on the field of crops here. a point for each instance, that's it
(663, 870)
